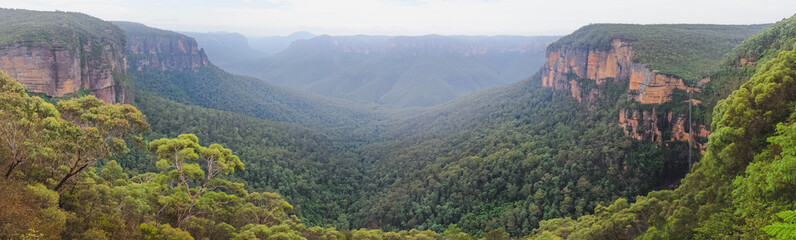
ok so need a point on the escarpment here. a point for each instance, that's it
(58, 65)
(165, 53)
(566, 66)
(161, 50)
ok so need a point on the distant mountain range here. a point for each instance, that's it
(397, 71)
(272, 45)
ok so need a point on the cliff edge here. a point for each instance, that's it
(60, 53)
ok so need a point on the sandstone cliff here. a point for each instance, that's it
(65, 56)
(155, 49)
(565, 66)
(165, 53)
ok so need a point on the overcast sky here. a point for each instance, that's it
(414, 17)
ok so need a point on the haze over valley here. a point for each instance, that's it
(413, 120)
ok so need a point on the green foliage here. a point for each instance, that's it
(155, 231)
(92, 130)
(64, 29)
(312, 170)
(497, 164)
(30, 211)
(756, 50)
(783, 230)
(687, 51)
(215, 89)
(766, 44)
(20, 117)
(525, 155)
(745, 177)
(189, 193)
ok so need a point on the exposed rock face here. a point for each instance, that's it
(57, 70)
(650, 87)
(743, 62)
(643, 125)
(165, 53)
(646, 86)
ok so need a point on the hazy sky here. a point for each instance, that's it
(414, 17)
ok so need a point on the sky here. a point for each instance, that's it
(256, 18)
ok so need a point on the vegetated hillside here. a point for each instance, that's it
(507, 158)
(401, 71)
(745, 178)
(61, 185)
(315, 172)
(739, 65)
(213, 88)
(41, 27)
(687, 51)
(504, 158)
(272, 45)
(62, 54)
(510, 157)
(297, 144)
(656, 107)
(226, 49)
(183, 75)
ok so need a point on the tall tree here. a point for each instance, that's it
(94, 130)
(24, 122)
(179, 159)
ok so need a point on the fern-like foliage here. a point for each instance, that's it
(783, 230)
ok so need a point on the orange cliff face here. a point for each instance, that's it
(57, 70)
(649, 86)
(645, 86)
(165, 53)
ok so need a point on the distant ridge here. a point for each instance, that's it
(400, 71)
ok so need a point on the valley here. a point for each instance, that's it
(118, 130)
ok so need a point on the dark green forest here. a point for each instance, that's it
(205, 154)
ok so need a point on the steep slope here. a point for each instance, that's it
(652, 60)
(401, 71)
(226, 49)
(299, 145)
(161, 50)
(106, 201)
(61, 53)
(171, 65)
(746, 175)
(314, 171)
(509, 157)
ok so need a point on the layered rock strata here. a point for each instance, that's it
(56, 70)
(565, 66)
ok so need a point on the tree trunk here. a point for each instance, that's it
(11, 169)
(69, 175)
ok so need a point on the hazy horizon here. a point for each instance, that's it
(258, 18)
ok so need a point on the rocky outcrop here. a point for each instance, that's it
(646, 125)
(566, 66)
(646, 86)
(744, 62)
(641, 125)
(175, 52)
(57, 70)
